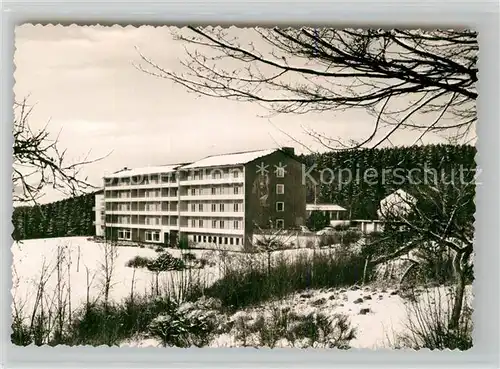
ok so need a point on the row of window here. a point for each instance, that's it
(146, 207)
(214, 174)
(172, 192)
(217, 207)
(216, 190)
(125, 219)
(216, 224)
(280, 190)
(150, 236)
(202, 223)
(195, 191)
(218, 240)
(200, 207)
(154, 236)
(149, 220)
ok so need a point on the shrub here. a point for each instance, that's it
(317, 220)
(249, 248)
(21, 334)
(310, 330)
(138, 262)
(435, 265)
(201, 263)
(108, 325)
(342, 227)
(38, 332)
(428, 323)
(240, 287)
(189, 256)
(329, 331)
(166, 262)
(159, 249)
(270, 244)
(349, 237)
(184, 326)
(329, 239)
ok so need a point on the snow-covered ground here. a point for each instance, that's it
(376, 327)
(379, 316)
(34, 258)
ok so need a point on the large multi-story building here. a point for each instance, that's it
(218, 200)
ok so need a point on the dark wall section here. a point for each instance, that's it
(261, 193)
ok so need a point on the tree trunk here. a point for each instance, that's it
(459, 291)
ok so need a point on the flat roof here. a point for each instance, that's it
(324, 207)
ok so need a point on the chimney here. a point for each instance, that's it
(288, 150)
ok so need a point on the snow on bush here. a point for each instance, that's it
(190, 324)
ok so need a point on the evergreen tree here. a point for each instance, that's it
(317, 221)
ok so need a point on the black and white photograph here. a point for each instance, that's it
(261, 187)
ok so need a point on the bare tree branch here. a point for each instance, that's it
(403, 75)
(38, 162)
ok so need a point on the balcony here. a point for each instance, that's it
(140, 199)
(141, 186)
(238, 232)
(211, 181)
(152, 198)
(142, 212)
(117, 199)
(232, 196)
(165, 228)
(212, 214)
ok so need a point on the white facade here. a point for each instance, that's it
(212, 204)
(206, 205)
(204, 201)
(99, 210)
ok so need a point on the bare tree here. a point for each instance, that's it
(442, 215)
(416, 79)
(39, 162)
(107, 269)
(270, 240)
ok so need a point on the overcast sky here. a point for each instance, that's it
(82, 80)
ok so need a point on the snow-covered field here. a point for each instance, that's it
(377, 328)
(377, 314)
(34, 258)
